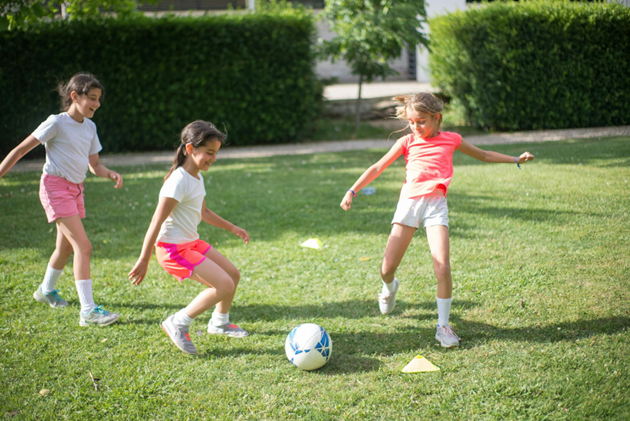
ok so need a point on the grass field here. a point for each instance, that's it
(541, 268)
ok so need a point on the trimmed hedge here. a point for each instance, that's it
(535, 65)
(252, 74)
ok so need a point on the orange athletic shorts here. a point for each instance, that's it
(181, 259)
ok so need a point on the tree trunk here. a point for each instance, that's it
(357, 110)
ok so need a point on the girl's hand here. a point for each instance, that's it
(138, 272)
(240, 232)
(346, 203)
(115, 177)
(524, 157)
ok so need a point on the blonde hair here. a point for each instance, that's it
(423, 102)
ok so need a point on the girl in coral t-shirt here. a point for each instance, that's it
(429, 167)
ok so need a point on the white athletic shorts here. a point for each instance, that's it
(431, 209)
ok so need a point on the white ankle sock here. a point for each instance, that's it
(84, 288)
(182, 318)
(50, 279)
(444, 310)
(220, 319)
(389, 288)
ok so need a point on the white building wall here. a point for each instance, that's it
(340, 69)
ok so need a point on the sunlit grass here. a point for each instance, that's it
(540, 259)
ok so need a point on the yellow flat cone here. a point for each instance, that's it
(418, 365)
(364, 259)
(312, 243)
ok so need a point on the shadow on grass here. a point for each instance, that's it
(352, 309)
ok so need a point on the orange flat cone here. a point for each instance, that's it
(419, 364)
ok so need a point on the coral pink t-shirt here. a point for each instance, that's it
(429, 163)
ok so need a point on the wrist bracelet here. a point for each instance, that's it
(516, 162)
(353, 193)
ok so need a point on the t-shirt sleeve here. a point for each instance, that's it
(404, 142)
(47, 130)
(173, 187)
(96, 146)
(458, 140)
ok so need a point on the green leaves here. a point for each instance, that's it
(535, 65)
(372, 33)
(160, 74)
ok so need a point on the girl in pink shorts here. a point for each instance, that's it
(428, 154)
(173, 231)
(72, 147)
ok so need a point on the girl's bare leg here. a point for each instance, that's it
(72, 229)
(63, 250)
(397, 244)
(220, 287)
(437, 236)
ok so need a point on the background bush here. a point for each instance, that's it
(250, 73)
(535, 65)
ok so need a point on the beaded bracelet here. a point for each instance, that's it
(516, 162)
(353, 193)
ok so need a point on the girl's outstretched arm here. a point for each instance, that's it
(490, 156)
(101, 170)
(162, 211)
(371, 174)
(17, 153)
(213, 219)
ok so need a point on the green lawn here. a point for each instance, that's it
(541, 268)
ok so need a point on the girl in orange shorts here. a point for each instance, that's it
(179, 250)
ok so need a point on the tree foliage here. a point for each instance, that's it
(372, 33)
(16, 14)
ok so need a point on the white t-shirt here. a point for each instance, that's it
(69, 145)
(181, 225)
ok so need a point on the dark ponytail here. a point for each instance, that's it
(197, 134)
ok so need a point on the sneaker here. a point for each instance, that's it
(52, 299)
(227, 329)
(179, 335)
(387, 302)
(446, 336)
(98, 317)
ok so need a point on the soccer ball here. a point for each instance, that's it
(308, 346)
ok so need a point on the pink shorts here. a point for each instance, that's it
(181, 259)
(60, 197)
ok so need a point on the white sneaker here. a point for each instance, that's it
(387, 302)
(98, 317)
(446, 336)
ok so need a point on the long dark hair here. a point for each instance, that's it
(81, 83)
(197, 134)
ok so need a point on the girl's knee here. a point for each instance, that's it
(442, 266)
(226, 286)
(236, 277)
(84, 248)
(65, 249)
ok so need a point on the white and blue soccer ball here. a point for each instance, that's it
(308, 346)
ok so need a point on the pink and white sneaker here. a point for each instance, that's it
(446, 336)
(228, 329)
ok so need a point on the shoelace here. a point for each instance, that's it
(385, 299)
(449, 331)
(99, 309)
(55, 293)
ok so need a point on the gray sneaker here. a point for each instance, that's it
(446, 336)
(52, 299)
(179, 335)
(227, 329)
(98, 317)
(387, 302)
